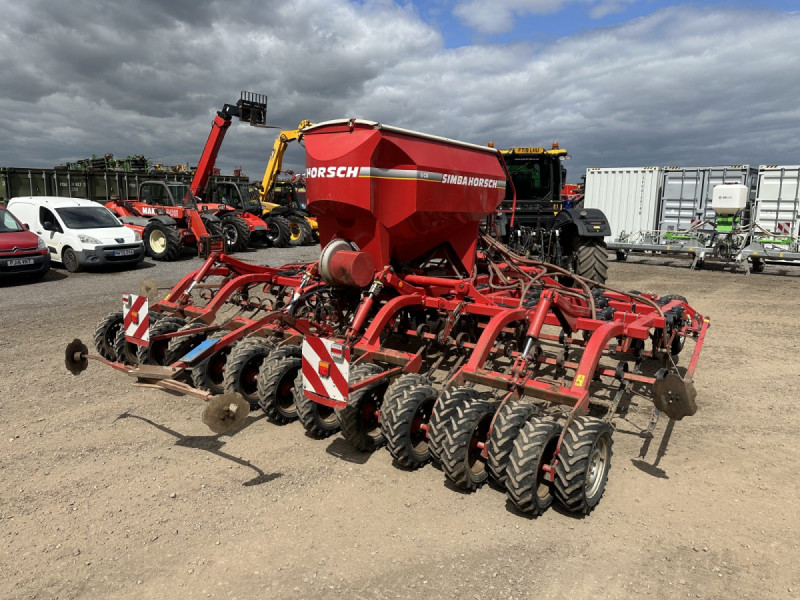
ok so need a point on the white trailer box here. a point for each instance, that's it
(628, 196)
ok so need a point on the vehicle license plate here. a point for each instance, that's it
(18, 262)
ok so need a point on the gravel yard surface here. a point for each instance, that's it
(115, 491)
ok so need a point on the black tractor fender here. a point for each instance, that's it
(210, 218)
(279, 210)
(165, 219)
(585, 222)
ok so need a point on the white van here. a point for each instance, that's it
(79, 232)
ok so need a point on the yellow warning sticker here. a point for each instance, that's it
(579, 380)
(166, 297)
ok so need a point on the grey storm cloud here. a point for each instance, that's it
(681, 86)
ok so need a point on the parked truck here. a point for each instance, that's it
(538, 223)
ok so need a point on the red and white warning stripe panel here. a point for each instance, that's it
(135, 319)
(326, 368)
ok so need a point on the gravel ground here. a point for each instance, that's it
(115, 491)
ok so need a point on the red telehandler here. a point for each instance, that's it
(239, 226)
(166, 214)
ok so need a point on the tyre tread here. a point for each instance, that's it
(573, 461)
(455, 448)
(270, 374)
(402, 399)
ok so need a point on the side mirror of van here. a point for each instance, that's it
(48, 226)
(26, 227)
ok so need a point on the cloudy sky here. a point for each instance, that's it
(616, 82)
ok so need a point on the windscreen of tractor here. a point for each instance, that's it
(182, 194)
(87, 217)
(226, 193)
(8, 223)
(532, 177)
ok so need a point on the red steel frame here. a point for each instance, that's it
(631, 320)
(240, 275)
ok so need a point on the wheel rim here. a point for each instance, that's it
(369, 417)
(544, 487)
(476, 461)
(111, 334)
(231, 234)
(216, 371)
(158, 241)
(419, 436)
(598, 464)
(249, 379)
(294, 230)
(326, 415)
(285, 395)
(130, 353)
(69, 260)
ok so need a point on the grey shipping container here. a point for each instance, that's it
(686, 194)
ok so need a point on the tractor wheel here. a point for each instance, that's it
(162, 242)
(405, 414)
(318, 420)
(408, 380)
(505, 431)
(443, 409)
(241, 370)
(106, 333)
(299, 230)
(583, 464)
(466, 433)
(526, 483)
(237, 232)
(156, 353)
(277, 231)
(70, 260)
(359, 419)
(758, 265)
(177, 347)
(275, 383)
(124, 350)
(210, 373)
(590, 260)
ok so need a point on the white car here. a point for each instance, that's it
(79, 232)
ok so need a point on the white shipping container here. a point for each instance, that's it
(628, 196)
(778, 200)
